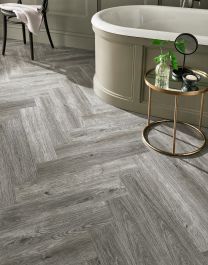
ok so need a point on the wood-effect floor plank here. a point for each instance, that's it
(109, 247)
(77, 184)
(9, 109)
(51, 250)
(58, 118)
(179, 192)
(19, 151)
(95, 175)
(7, 192)
(90, 156)
(130, 233)
(167, 241)
(38, 136)
(95, 261)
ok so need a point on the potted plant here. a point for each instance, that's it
(166, 58)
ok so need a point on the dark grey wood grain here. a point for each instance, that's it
(58, 118)
(187, 139)
(109, 247)
(7, 188)
(29, 233)
(18, 151)
(53, 249)
(96, 152)
(98, 186)
(9, 109)
(38, 136)
(178, 190)
(131, 234)
(168, 242)
(95, 261)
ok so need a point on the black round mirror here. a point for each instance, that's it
(185, 44)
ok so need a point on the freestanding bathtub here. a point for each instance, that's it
(124, 53)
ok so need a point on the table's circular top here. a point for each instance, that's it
(175, 86)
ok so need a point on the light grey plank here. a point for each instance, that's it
(187, 139)
(59, 117)
(97, 187)
(131, 234)
(114, 119)
(95, 261)
(37, 134)
(106, 174)
(12, 106)
(7, 191)
(179, 192)
(98, 153)
(168, 239)
(71, 94)
(102, 139)
(9, 109)
(64, 214)
(18, 151)
(82, 148)
(53, 249)
(109, 247)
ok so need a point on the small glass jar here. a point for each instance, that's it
(162, 72)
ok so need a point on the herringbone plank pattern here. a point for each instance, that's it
(77, 184)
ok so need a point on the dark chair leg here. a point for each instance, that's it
(47, 29)
(5, 34)
(31, 45)
(23, 33)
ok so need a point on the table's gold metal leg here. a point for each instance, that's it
(149, 105)
(201, 111)
(175, 124)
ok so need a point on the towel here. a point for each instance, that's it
(28, 14)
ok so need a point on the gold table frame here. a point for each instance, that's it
(176, 93)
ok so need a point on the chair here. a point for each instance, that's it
(7, 15)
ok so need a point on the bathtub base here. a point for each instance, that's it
(160, 111)
(121, 63)
(110, 97)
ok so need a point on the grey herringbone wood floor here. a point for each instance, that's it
(77, 185)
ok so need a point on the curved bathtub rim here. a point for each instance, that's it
(100, 24)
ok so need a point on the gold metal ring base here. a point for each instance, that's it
(154, 124)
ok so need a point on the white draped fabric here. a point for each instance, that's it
(29, 14)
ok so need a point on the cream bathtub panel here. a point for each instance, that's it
(126, 67)
(113, 51)
(114, 65)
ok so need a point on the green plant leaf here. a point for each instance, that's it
(159, 42)
(156, 42)
(173, 60)
(157, 59)
(169, 56)
(181, 46)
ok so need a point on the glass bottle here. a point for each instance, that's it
(162, 74)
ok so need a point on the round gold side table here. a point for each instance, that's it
(175, 91)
